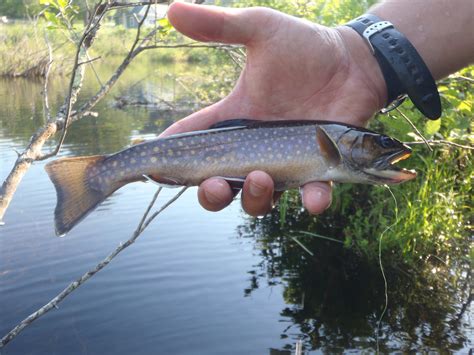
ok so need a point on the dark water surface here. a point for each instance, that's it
(195, 282)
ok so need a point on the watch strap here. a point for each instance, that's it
(403, 69)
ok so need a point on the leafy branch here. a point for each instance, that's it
(67, 113)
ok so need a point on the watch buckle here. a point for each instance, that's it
(394, 104)
(373, 29)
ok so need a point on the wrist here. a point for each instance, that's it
(363, 61)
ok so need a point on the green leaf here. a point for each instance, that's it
(464, 106)
(62, 3)
(51, 17)
(165, 27)
(432, 126)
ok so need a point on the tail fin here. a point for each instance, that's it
(76, 197)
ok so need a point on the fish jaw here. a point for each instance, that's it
(391, 175)
(388, 173)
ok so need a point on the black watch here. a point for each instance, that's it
(404, 70)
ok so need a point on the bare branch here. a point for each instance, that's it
(66, 115)
(89, 61)
(441, 142)
(74, 85)
(118, 5)
(121, 68)
(53, 303)
(414, 127)
(46, 79)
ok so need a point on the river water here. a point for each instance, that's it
(195, 282)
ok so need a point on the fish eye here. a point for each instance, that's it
(386, 142)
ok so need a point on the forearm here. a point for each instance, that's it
(442, 31)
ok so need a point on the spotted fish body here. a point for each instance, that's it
(291, 152)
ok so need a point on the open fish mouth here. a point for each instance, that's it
(387, 171)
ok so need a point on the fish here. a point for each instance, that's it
(293, 153)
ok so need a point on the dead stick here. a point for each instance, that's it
(53, 303)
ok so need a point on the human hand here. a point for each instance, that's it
(295, 69)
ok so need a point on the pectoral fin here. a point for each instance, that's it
(327, 147)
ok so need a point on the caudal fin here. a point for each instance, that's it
(77, 195)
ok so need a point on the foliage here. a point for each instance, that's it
(329, 13)
(59, 14)
(23, 50)
(18, 9)
(433, 211)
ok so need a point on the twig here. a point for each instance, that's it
(89, 61)
(84, 43)
(46, 79)
(154, 215)
(33, 151)
(53, 303)
(441, 142)
(121, 68)
(414, 127)
(461, 77)
(119, 5)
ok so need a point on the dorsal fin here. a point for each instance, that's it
(327, 147)
(236, 122)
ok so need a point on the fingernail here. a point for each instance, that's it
(255, 189)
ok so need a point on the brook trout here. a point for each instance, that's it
(293, 153)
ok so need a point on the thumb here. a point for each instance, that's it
(217, 24)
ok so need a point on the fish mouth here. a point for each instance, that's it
(386, 172)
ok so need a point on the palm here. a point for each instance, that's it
(279, 82)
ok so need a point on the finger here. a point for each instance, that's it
(257, 193)
(317, 196)
(214, 194)
(212, 23)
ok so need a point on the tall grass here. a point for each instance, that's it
(23, 50)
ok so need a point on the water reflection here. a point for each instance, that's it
(334, 299)
(195, 287)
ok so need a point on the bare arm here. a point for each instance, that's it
(442, 31)
(299, 70)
